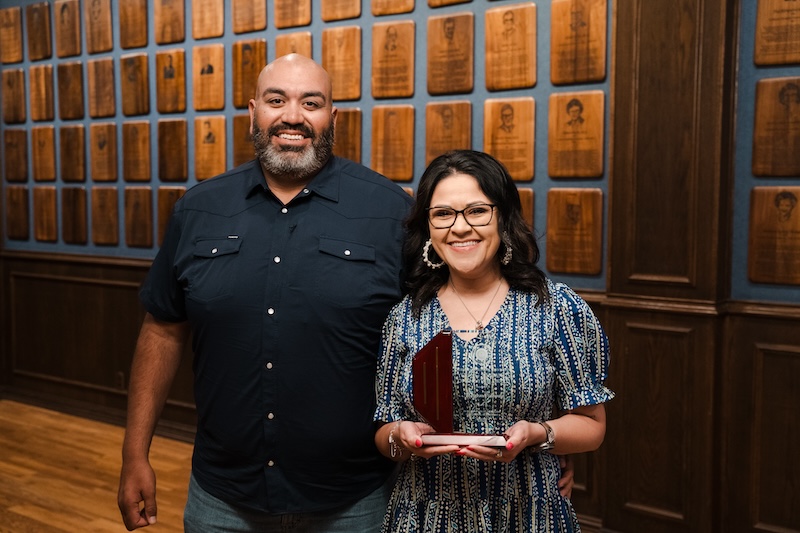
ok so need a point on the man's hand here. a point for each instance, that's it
(137, 495)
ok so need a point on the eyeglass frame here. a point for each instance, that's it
(461, 212)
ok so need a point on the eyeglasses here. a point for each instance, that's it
(474, 215)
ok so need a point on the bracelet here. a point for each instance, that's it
(549, 441)
(395, 448)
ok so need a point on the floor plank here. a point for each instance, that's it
(59, 473)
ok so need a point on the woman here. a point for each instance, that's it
(529, 360)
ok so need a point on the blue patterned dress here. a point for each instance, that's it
(529, 363)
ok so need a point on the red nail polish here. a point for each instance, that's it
(418, 442)
(510, 446)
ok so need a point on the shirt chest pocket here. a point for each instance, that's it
(212, 273)
(346, 271)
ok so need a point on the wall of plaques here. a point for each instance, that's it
(766, 225)
(111, 110)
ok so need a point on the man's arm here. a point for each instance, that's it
(155, 363)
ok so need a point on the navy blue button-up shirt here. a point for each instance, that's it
(285, 304)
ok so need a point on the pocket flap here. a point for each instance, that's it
(217, 247)
(352, 251)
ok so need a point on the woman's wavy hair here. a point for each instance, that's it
(521, 272)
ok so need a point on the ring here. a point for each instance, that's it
(499, 454)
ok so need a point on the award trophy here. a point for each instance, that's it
(432, 371)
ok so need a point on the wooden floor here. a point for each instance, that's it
(60, 473)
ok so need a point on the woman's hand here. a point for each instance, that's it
(408, 436)
(518, 437)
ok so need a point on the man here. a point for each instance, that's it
(283, 270)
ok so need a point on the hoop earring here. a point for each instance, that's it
(425, 256)
(509, 251)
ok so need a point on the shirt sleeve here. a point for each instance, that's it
(161, 294)
(581, 352)
(389, 404)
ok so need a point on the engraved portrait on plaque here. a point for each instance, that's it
(393, 59)
(341, 57)
(777, 40)
(448, 126)
(774, 241)
(578, 41)
(511, 47)
(574, 230)
(776, 135)
(68, 33)
(508, 134)
(575, 134)
(293, 43)
(450, 56)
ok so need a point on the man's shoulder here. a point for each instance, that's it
(231, 185)
(364, 177)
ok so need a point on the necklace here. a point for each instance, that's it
(478, 323)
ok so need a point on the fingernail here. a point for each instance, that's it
(460, 452)
(418, 442)
(152, 520)
(510, 446)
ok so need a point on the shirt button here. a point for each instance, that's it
(270, 416)
(305, 191)
(277, 259)
(269, 366)
(214, 250)
(270, 463)
(347, 252)
(284, 210)
(270, 311)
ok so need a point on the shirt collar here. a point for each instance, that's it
(325, 183)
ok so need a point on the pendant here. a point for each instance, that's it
(480, 352)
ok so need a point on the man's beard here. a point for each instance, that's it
(293, 161)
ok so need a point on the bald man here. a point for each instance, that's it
(281, 271)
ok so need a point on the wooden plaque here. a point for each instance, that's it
(15, 155)
(290, 13)
(776, 135)
(136, 151)
(393, 59)
(574, 231)
(578, 41)
(293, 43)
(249, 58)
(102, 99)
(97, 18)
(42, 96)
(440, 3)
(575, 126)
(450, 56)
(167, 198)
(171, 81)
(393, 141)
(17, 225)
(340, 9)
(777, 33)
(249, 15)
(72, 146)
(526, 197)
(14, 96)
(133, 23)
(348, 134)
(73, 215)
(105, 216)
(43, 139)
(209, 146)
(11, 35)
(45, 218)
(448, 126)
(392, 7)
(40, 44)
(242, 140)
(135, 84)
(773, 254)
(68, 28)
(508, 134)
(70, 90)
(173, 159)
(208, 77)
(139, 217)
(341, 57)
(208, 18)
(103, 150)
(511, 47)
(170, 17)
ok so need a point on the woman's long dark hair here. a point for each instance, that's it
(495, 182)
